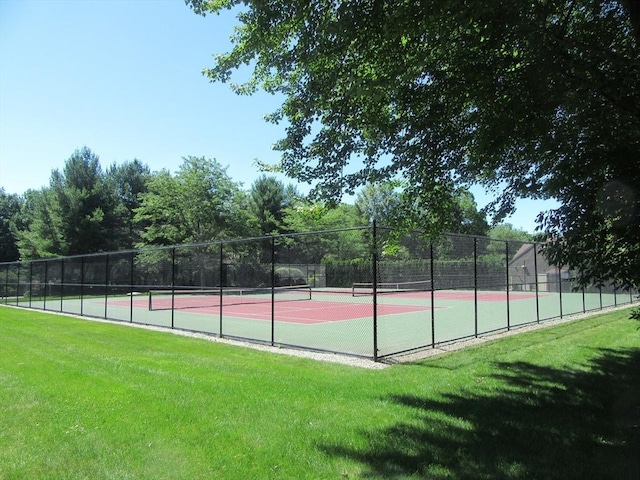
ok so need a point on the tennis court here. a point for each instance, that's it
(335, 320)
(315, 290)
(291, 306)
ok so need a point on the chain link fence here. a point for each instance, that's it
(367, 291)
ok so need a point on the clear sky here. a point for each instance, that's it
(124, 78)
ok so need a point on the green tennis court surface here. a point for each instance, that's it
(335, 320)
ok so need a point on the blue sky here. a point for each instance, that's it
(123, 77)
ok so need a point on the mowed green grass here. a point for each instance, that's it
(89, 400)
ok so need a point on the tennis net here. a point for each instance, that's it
(183, 298)
(367, 288)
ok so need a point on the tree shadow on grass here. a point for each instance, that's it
(540, 422)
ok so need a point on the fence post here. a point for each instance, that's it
(221, 286)
(62, 285)
(433, 307)
(30, 283)
(173, 284)
(131, 282)
(18, 285)
(560, 288)
(374, 271)
(600, 295)
(535, 272)
(106, 286)
(46, 283)
(273, 290)
(475, 285)
(5, 295)
(82, 285)
(506, 253)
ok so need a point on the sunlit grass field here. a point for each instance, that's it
(90, 400)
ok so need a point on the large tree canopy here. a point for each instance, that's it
(83, 210)
(268, 199)
(74, 215)
(200, 203)
(530, 99)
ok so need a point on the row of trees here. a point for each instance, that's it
(88, 209)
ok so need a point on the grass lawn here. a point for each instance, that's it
(89, 400)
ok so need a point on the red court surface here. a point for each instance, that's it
(305, 312)
(311, 312)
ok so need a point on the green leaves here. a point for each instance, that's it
(268, 199)
(529, 98)
(198, 204)
(9, 209)
(76, 214)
